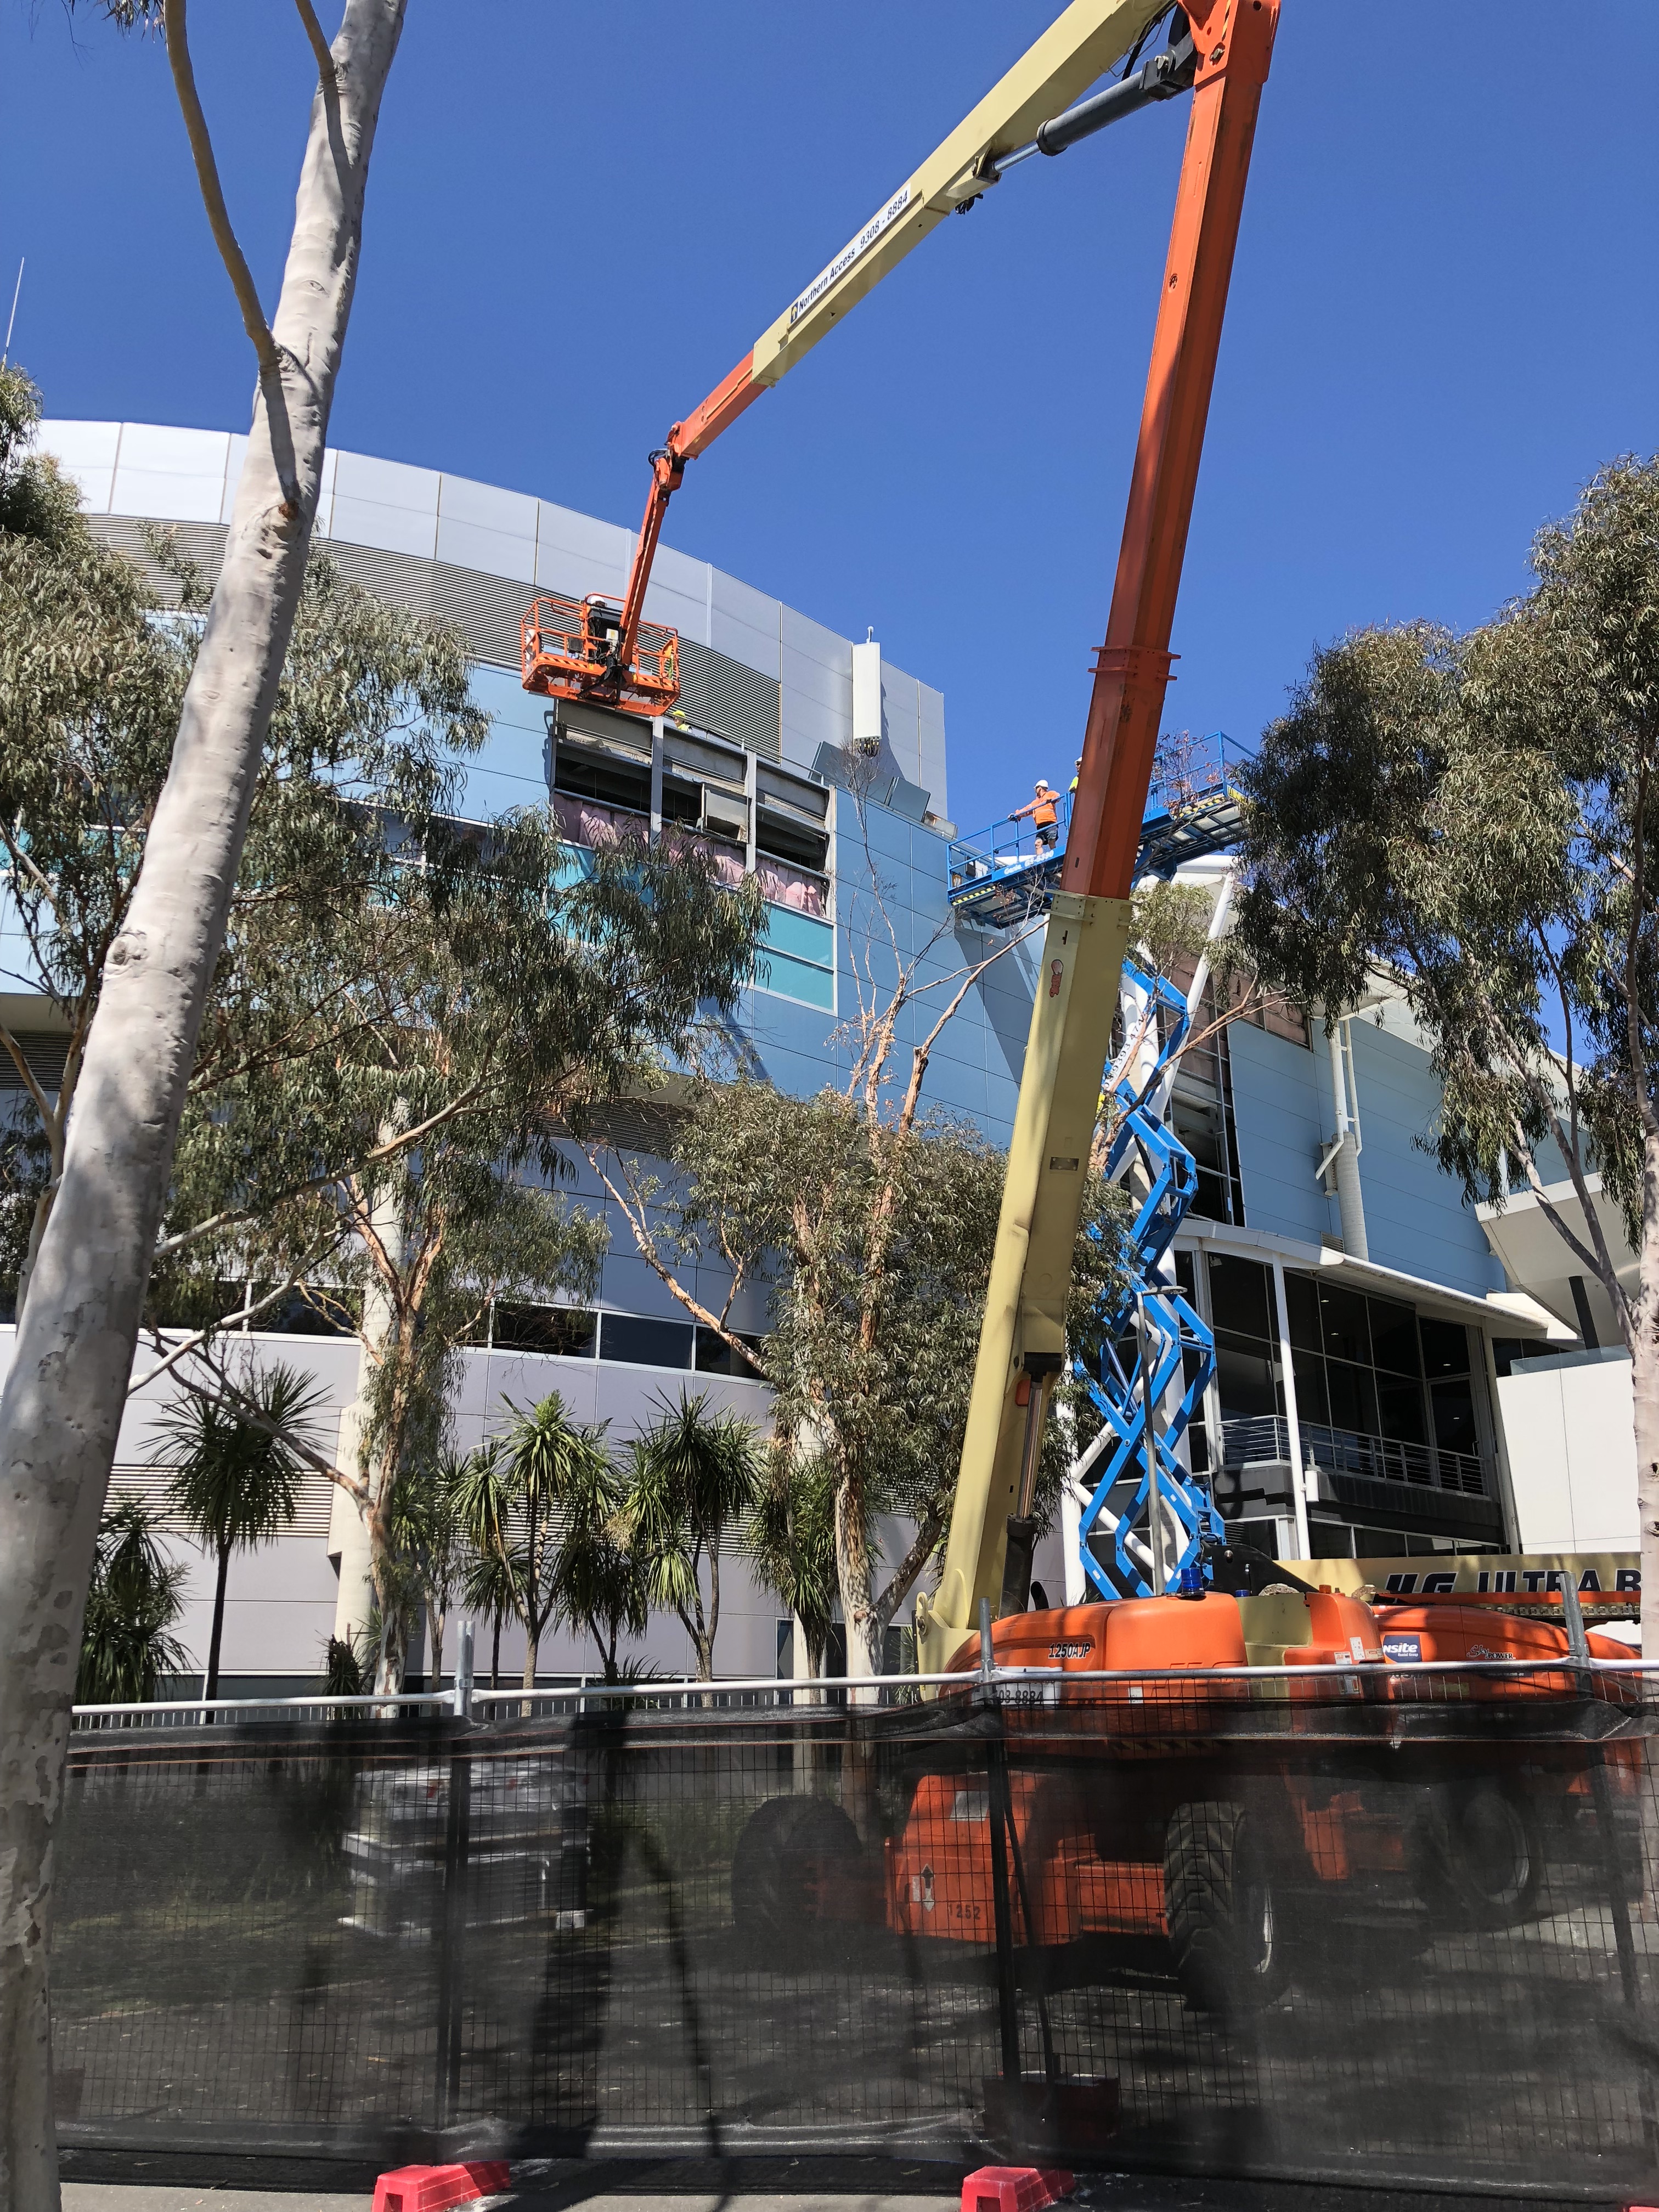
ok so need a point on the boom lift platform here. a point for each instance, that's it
(999, 878)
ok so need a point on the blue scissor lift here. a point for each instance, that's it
(1154, 1335)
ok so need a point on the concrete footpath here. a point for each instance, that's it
(138, 2182)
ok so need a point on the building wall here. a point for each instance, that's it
(1572, 1453)
(143, 469)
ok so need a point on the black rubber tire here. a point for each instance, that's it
(1493, 1859)
(1225, 1920)
(784, 1843)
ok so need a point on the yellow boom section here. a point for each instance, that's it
(1078, 45)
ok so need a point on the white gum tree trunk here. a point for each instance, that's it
(63, 1394)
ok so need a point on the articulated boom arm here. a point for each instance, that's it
(1079, 46)
(1022, 1342)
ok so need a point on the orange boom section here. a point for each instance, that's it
(571, 649)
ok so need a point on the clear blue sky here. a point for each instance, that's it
(1443, 317)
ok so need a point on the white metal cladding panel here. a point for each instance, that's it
(85, 451)
(577, 554)
(692, 579)
(473, 546)
(804, 725)
(485, 507)
(238, 454)
(386, 528)
(900, 719)
(682, 613)
(388, 483)
(178, 474)
(931, 778)
(745, 625)
(799, 633)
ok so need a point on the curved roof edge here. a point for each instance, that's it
(168, 475)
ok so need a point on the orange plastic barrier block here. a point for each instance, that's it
(435, 2188)
(1015, 2188)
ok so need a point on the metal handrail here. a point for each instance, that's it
(812, 1687)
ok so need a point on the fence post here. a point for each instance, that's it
(998, 1810)
(452, 1951)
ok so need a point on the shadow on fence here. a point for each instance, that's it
(1378, 1926)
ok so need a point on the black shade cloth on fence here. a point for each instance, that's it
(1364, 1927)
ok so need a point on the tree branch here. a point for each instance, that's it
(265, 350)
(320, 45)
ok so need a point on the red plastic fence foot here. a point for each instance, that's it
(1015, 2188)
(435, 2188)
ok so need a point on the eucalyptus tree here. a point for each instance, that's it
(1478, 818)
(692, 1483)
(235, 1483)
(62, 1402)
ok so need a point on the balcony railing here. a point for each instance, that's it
(1347, 1451)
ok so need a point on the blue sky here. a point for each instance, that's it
(1443, 316)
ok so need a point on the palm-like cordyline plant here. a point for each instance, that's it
(790, 1541)
(596, 1576)
(695, 1475)
(126, 1643)
(237, 1481)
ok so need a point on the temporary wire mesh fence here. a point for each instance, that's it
(1369, 1924)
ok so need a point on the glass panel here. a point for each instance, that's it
(1401, 1407)
(1342, 1318)
(566, 1332)
(1244, 1376)
(1379, 1544)
(716, 1356)
(1312, 1402)
(1393, 1336)
(1241, 1296)
(1445, 1347)
(1353, 1397)
(1301, 1302)
(1330, 1540)
(1454, 1417)
(641, 1343)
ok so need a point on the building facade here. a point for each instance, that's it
(1357, 1406)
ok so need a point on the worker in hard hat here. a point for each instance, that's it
(1042, 813)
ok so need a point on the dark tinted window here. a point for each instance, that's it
(1399, 1409)
(1454, 1417)
(1245, 1379)
(1380, 1544)
(641, 1343)
(1353, 1397)
(1445, 1347)
(1330, 1540)
(1241, 1296)
(716, 1356)
(1393, 1336)
(566, 1332)
(1342, 1320)
(1311, 1402)
(1302, 1305)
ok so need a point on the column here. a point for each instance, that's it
(1292, 1425)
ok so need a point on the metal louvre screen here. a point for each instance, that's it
(1372, 1928)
